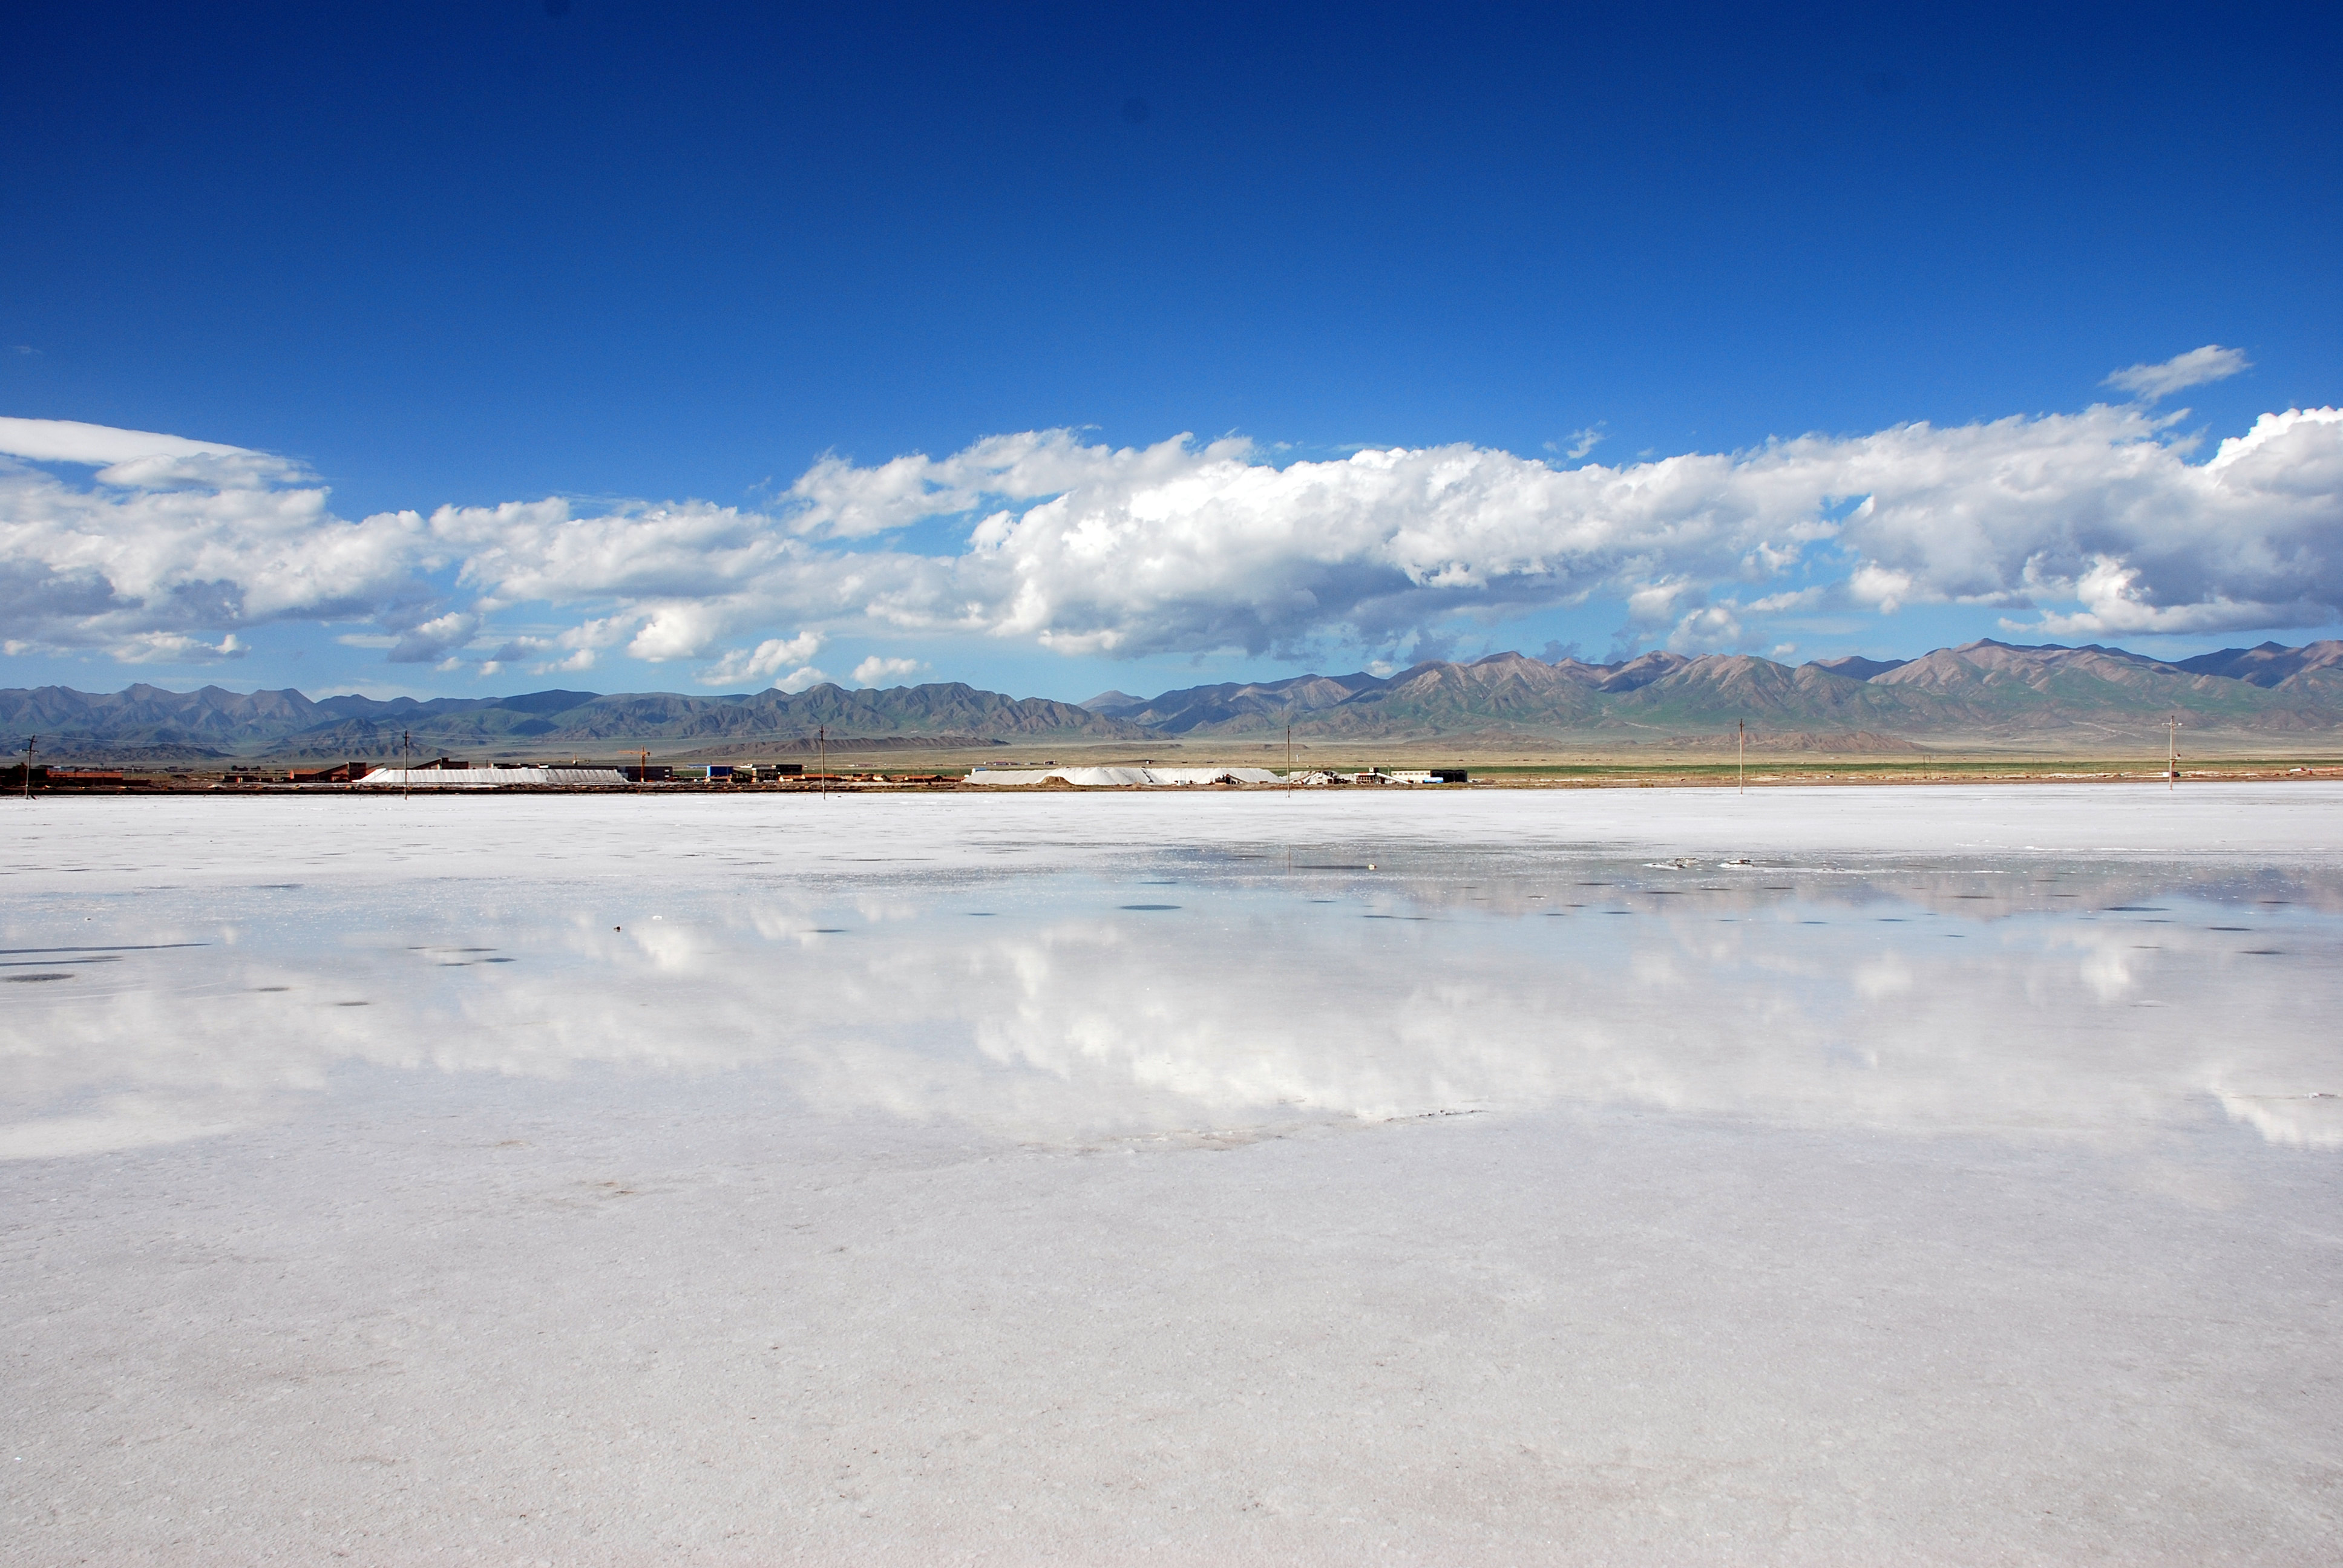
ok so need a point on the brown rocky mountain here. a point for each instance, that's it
(1984, 690)
(2272, 664)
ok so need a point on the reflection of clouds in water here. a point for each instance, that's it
(116, 1122)
(2106, 972)
(1883, 977)
(2305, 1120)
(1063, 1016)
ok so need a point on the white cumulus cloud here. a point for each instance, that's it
(434, 639)
(115, 568)
(176, 648)
(876, 670)
(2074, 524)
(761, 662)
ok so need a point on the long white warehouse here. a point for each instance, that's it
(488, 777)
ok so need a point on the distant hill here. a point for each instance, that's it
(1854, 667)
(1244, 705)
(1985, 690)
(147, 722)
(2271, 664)
(1981, 692)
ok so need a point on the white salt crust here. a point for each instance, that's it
(927, 1179)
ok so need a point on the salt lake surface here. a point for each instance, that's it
(1914, 1174)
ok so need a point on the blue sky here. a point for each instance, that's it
(631, 257)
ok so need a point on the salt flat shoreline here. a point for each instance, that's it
(1851, 776)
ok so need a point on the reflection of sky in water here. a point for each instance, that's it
(1214, 988)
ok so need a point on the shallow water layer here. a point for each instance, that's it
(1939, 1130)
(1190, 985)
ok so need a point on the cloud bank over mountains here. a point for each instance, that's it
(2105, 522)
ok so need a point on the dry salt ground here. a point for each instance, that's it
(1916, 1175)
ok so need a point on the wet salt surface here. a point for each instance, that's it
(692, 1180)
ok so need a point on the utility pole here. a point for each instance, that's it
(29, 739)
(1289, 761)
(1741, 756)
(822, 743)
(2171, 753)
(407, 773)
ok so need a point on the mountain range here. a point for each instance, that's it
(1985, 692)
(1984, 689)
